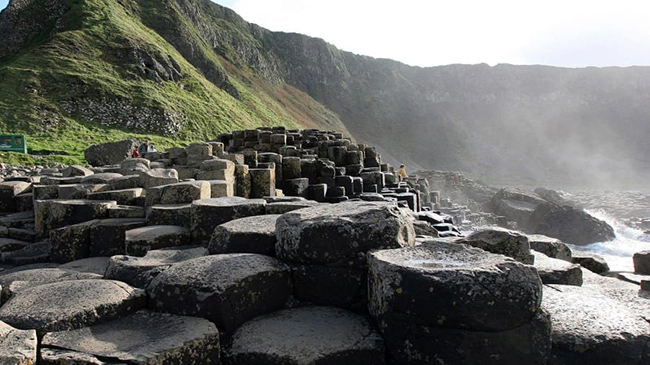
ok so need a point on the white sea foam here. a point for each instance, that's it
(618, 252)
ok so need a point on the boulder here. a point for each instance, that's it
(17, 347)
(466, 288)
(554, 271)
(516, 205)
(170, 215)
(590, 262)
(501, 241)
(337, 233)
(551, 247)
(52, 214)
(72, 304)
(207, 214)
(255, 234)
(642, 262)
(140, 338)
(569, 225)
(308, 335)
(110, 153)
(8, 192)
(140, 240)
(226, 289)
(179, 193)
(21, 280)
(139, 271)
(590, 328)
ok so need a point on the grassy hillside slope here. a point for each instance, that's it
(98, 70)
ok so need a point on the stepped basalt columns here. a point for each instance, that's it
(212, 257)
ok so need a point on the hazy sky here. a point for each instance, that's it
(573, 33)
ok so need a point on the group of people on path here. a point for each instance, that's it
(144, 147)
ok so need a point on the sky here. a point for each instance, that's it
(568, 33)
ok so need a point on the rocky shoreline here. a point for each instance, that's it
(274, 246)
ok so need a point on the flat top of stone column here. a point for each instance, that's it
(306, 335)
(440, 255)
(138, 337)
(218, 272)
(227, 201)
(163, 256)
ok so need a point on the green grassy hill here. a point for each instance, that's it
(78, 72)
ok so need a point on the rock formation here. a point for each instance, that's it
(278, 246)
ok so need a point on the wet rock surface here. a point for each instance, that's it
(309, 335)
(589, 327)
(140, 338)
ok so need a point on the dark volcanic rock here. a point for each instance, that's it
(139, 271)
(72, 304)
(453, 286)
(515, 205)
(333, 286)
(207, 214)
(255, 234)
(590, 261)
(21, 280)
(589, 328)
(226, 289)
(642, 262)
(17, 346)
(308, 335)
(551, 247)
(140, 240)
(140, 338)
(337, 233)
(450, 303)
(110, 153)
(569, 224)
(554, 271)
(413, 343)
(501, 241)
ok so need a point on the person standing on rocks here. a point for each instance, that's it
(401, 173)
(144, 148)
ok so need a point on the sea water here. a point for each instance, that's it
(618, 252)
(616, 207)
